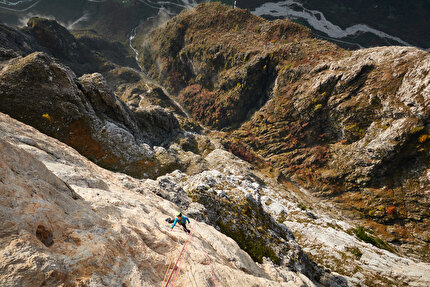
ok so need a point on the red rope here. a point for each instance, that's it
(210, 264)
(168, 268)
(183, 255)
(180, 255)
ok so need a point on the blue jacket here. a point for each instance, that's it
(184, 220)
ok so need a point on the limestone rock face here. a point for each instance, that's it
(353, 126)
(261, 215)
(66, 221)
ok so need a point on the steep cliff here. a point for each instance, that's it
(312, 119)
(67, 222)
(351, 126)
(77, 224)
(88, 52)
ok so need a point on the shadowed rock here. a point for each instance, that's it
(83, 113)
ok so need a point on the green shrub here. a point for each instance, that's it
(375, 241)
(256, 248)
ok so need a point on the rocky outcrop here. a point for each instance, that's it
(57, 39)
(18, 41)
(49, 37)
(85, 114)
(77, 224)
(159, 122)
(138, 92)
(85, 53)
(352, 126)
(153, 109)
(215, 75)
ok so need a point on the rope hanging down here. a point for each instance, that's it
(210, 264)
(183, 255)
(180, 256)
(168, 268)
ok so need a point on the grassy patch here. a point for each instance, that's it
(375, 241)
(355, 251)
(257, 248)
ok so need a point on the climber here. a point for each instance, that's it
(182, 221)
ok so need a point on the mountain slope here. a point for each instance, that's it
(352, 126)
(290, 236)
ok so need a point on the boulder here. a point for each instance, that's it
(83, 113)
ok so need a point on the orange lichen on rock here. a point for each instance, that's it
(48, 117)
